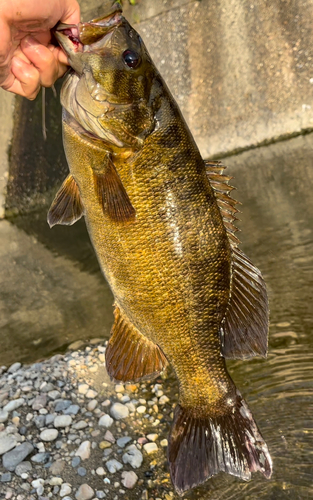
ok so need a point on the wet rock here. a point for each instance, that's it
(84, 450)
(150, 448)
(113, 465)
(84, 492)
(11, 459)
(7, 443)
(49, 435)
(152, 437)
(133, 457)
(129, 479)
(119, 411)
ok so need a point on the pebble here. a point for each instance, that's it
(100, 471)
(119, 411)
(65, 490)
(163, 400)
(81, 471)
(141, 409)
(4, 415)
(41, 458)
(133, 457)
(129, 479)
(6, 477)
(119, 388)
(106, 421)
(14, 405)
(91, 394)
(76, 461)
(55, 481)
(113, 465)
(62, 405)
(72, 410)
(11, 459)
(92, 404)
(84, 492)
(23, 468)
(152, 437)
(49, 435)
(7, 443)
(39, 402)
(13, 368)
(57, 467)
(83, 388)
(62, 421)
(80, 425)
(164, 442)
(150, 448)
(84, 450)
(122, 442)
(108, 436)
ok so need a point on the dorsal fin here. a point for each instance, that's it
(244, 328)
(67, 206)
(129, 355)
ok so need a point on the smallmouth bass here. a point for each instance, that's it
(161, 222)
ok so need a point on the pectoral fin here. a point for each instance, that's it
(67, 206)
(112, 194)
(130, 356)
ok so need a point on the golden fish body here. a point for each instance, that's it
(184, 293)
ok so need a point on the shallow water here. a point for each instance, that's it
(274, 184)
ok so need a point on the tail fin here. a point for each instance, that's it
(201, 447)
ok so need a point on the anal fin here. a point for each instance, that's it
(67, 206)
(244, 329)
(129, 355)
(112, 194)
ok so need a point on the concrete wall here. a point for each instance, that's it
(241, 72)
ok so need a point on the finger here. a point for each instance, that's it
(43, 59)
(27, 79)
(71, 14)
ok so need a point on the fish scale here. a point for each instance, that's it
(161, 222)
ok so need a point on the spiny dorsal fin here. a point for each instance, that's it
(129, 355)
(244, 328)
(112, 194)
(67, 206)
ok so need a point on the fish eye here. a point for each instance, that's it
(131, 58)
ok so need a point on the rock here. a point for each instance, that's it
(62, 421)
(65, 490)
(119, 411)
(92, 404)
(84, 492)
(14, 404)
(7, 443)
(150, 448)
(104, 444)
(57, 467)
(23, 468)
(41, 458)
(91, 394)
(6, 477)
(164, 443)
(163, 400)
(108, 436)
(84, 450)
(122, 442)
(49, 419)
(133, 457)
(49, 435)
(100, 471)
(40, 421)
(72, 410)
(113, 465)
(83, 388)
(39, 402)
(141, 409)
(152, 437)
(13, 368)
(38, 482)
(11, 459)
(129, 479)
(81, 471)
(55, 481)
(3, 416)
(54, 394)
(106, 420)
(119, 388)
(80, 425)
(62, 404)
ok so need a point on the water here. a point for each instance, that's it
(275, 187)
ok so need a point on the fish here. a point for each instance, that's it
(162, 223)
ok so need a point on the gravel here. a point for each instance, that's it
(63, 423)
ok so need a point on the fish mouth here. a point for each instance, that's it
(74, 37)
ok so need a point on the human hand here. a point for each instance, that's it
(27, 59)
